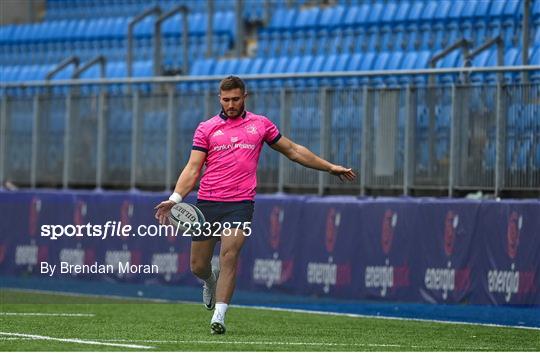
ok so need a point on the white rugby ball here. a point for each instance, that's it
(184, 214)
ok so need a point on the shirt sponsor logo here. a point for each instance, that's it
(246, 146)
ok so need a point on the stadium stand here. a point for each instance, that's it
(290, 38)
(406, 32)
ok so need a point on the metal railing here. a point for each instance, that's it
(440, 139)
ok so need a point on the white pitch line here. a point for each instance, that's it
(74, 340)
(48, 314)
(16, 339)
(283, 309)
(331, 313)
(266, 343)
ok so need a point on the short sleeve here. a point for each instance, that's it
(200, 142)
(272, 134)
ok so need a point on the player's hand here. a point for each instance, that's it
(162, 211)
(342, 172)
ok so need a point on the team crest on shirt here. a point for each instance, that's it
(251, 129)
(234, 139)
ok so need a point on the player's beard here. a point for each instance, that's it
(236, 113)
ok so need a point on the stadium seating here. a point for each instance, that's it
(392, 35)
(346, 36)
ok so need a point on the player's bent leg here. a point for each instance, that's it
(201, 257)
(228, 259)
(201, 266)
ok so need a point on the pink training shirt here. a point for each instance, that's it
(232, 147)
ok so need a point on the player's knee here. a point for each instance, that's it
(229, 257)
(197, 267)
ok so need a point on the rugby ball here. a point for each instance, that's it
(184, 214)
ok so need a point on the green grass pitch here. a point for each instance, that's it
(31, 321)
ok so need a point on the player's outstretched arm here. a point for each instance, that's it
(305, 157)
(186, 182)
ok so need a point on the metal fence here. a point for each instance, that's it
(399, 139)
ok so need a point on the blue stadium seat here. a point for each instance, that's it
(536, 10)
(402, 11)
(256, 66)
(351, 15)
(355, 62)
(412, 37)
(389, 12)
(278, 19)
(281, 19)
(197, 23)
(469, 9)
(338, 16)
(482, 10)
(429, 10)
(367, 61)
(379, 62)
(455, 11)
(263, 43)
(362, 14)
(497, 8)
(202, 67)
(305, 64)
(513, 8)
(325, 19)
(480, 32)
(243, 66)
(409, 60)
(535, 58)
(330, 63)
(398, 42)
(375, 13)
(415, 13)
(307, 18)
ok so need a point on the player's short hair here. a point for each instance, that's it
(232, 82)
